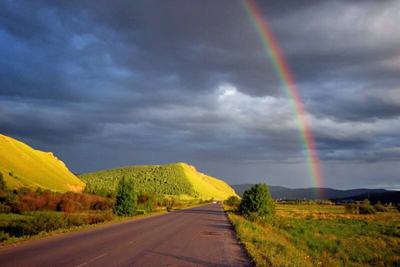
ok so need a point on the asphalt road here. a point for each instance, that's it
(199, 236)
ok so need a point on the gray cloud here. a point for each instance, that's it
(149, 82)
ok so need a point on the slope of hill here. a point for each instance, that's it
(170, 179)
(280, 192)
(23, 166)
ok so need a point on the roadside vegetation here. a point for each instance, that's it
(318, 233)
(25, 213)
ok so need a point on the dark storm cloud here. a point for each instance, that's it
(159, 81)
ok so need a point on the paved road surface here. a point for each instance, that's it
(199, 236)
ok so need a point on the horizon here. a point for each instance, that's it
(145, 83)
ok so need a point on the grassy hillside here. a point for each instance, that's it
(170, 179)
(23, 166)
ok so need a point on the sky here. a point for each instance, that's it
(105, 83)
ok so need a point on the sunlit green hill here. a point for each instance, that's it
(23, 166)
(169, 179)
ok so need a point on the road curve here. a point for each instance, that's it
(200, 236)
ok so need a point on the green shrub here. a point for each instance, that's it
(4, 236)
(366, 208)
(74, 220)
(232, 201)
(351, 208)
(125, 200)
(3, 185)
(147, 201)
(379, 207)
(169, 203)
(140, 212)
(99, 217)
(257, 202)
(42, 222)
(4, 208)
(48, 221)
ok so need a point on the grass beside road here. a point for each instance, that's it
(321, 235)
(12, 218)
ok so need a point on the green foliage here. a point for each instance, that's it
(325, 239)
(43, 221)
(342, 240)
(351, 208)
(4, 236)
(4, 208)
(266, 246)
(125, 199)
(257, 202)
(140, 212)
(148, 201)
(169, 203)
(167, 179)
(379, 207)
(366, 208)
(232, 201)
(3, 185)
(36, 222)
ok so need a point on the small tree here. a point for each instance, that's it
(232, 201)
(125, 200)
(366, 208)
(379, 207)
(3, 185)
(3, 189)
(257, 202)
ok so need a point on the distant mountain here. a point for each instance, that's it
(23, 166)
(280, 192)
(179, 179)
(373, 197)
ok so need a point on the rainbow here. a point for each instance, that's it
(272, 48)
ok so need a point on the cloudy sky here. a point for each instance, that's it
(111, 83)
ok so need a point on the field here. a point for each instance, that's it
(322, 235)
(179, 179)
(23, 166)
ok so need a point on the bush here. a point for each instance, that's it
(351, 208)
(3, 185)
(41, 222)
(366, 208)
(4, 236)
(125, 200)
(4, 208)
(99, 217)
(74, 220)
(140, 212)
(257, 202)
(232, 201)
(169, 203)
(48, 222)
(148, 202)
(379, 207)
(102, 205)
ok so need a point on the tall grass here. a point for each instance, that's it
(304, 235)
